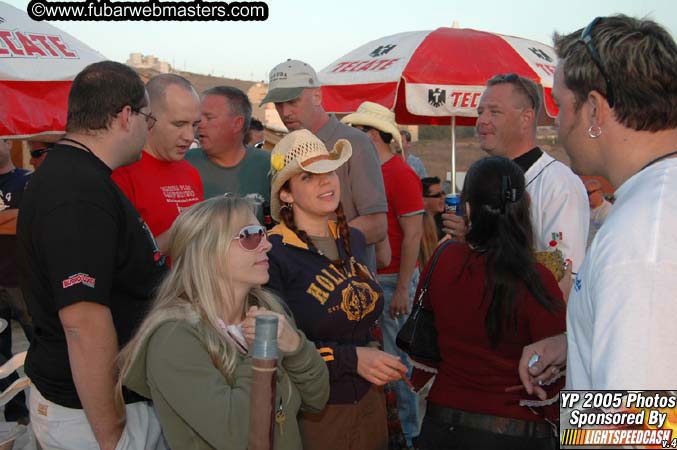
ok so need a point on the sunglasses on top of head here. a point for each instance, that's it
(586, 38)
(251, 237)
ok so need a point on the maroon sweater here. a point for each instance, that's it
(472, 376)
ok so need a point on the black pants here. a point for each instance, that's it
(436, 435)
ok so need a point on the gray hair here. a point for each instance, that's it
(238, 101)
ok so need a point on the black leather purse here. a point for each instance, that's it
(418, 335)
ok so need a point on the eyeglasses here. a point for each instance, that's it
(593, 191)
(251, 237)
(438, 195)
(586, 38)
(515, 79)
(150, 118)
(38, 152)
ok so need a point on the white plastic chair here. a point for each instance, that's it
(11, 431)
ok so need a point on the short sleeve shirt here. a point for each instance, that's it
(159, 190)
(12, 186)
(405, 198)
(249, 178)
(80, 239)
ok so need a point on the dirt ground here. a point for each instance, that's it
(436, 155)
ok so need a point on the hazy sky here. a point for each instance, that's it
(319, 32)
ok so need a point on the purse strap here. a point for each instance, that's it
(429, 275)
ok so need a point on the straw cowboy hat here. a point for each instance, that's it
(373, 115)
(301, 151)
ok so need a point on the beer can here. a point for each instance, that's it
(452, 204)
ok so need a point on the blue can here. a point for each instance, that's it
(452, 204)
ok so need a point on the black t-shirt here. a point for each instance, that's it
(80, 239)
(12, 186)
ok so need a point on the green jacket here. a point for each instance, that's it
(197, 407)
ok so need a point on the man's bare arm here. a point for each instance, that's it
(373, 226)
(412, 229)
(383, 254)
(92, 348)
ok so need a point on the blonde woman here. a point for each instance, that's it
(189, 356)
(318, 266)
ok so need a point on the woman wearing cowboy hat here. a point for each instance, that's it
(318, 267)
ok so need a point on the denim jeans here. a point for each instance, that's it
(407, 401)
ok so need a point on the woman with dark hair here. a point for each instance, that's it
(318, 266)
(490, 298)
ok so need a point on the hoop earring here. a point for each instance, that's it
(594, 131)
(286, 206)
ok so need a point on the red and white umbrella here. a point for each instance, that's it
(37, 65)
(427, 77)
(434, 77)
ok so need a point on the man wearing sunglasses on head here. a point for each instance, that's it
(162, 183)
(615, 87)
(87, 267)
(506, 125)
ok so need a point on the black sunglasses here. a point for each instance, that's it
(586, 38)
(438, 195)
(39, 152)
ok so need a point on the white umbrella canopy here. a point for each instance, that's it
(427, 77)
(435, 77)
(37, 65)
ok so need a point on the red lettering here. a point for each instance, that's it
(365, 66)
(547, 68)
(475, 97)
(340, 65)
(378, 64)
(388, 63)
(455, 96)
(30, 48)
(350, 66)
(6, 36)
(465, 102)
(56, 40)
(43, 40)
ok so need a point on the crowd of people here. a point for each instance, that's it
(139, 305)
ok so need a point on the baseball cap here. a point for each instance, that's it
(288, 80)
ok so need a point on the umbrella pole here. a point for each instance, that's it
(453, 155)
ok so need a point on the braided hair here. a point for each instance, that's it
(287, 216)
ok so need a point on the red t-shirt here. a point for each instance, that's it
(159, 190)
(472, 375)
(405, 197)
